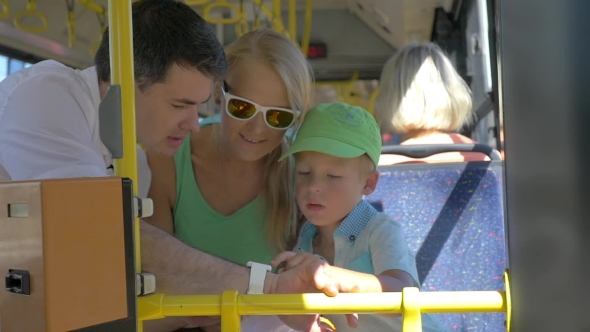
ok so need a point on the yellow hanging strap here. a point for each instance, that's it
(256, 22)
(242, 26)
(31, 11)
(71, 23)
(293, 20)
(372, 99)
(102, 15)
(90, 4)
(307, 27)
(196, 2)
(276, 21)
(5, 9)
(221, 4)
(102, 20)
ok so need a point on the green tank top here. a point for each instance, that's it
(238, 238)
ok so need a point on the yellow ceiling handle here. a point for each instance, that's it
(102, 20)
(242, 27)
(372, 99)
(196, 2)
(90, 4)
(31, 11)
(221, 4)
(5, 9)
(71, 23)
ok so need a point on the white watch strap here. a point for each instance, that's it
(257, 276)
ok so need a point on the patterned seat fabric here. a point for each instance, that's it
(452, 215)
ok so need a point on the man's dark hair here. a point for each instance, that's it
(166, 32)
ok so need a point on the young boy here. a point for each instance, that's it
(336, 152)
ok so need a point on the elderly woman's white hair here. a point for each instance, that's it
(420, 90)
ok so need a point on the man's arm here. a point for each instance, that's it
(44, 133)
(183, 270)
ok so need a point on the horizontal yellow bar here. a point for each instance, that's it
(452, 302)
(159, 306)
(290, 304)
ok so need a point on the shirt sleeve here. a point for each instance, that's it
(44, 133)
(389, 249)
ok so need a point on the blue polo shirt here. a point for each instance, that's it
(370, 242)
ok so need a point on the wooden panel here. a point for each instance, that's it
(84, 252)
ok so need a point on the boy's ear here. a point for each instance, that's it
(371, 182)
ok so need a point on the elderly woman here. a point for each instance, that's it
(423, 99)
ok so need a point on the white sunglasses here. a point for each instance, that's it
(243, 109)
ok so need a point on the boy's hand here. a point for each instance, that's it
(311, 323)
(293, 259)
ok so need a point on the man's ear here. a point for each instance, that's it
(371, 181)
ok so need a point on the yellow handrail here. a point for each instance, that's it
(31, 11)
(221, 4)
(122, 74)
(5, 9)
(158, 306)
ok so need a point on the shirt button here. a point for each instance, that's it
(352, 238)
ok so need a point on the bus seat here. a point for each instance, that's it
(452, 215)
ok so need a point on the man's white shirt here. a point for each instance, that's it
(49, 126)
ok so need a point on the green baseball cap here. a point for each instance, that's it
(340, 130)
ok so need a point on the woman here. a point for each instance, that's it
(423, 99)
(224, 192)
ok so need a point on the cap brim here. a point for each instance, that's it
(324, 145)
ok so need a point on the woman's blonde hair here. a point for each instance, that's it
(287, 60)
(421, 90)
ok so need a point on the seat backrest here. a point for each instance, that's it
(453, 219)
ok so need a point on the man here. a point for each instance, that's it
(49, 129)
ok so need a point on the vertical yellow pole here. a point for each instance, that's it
(293, 20)
(122, 73)
(307, 27)
(412, 319)
(276, 16)
(230, 318)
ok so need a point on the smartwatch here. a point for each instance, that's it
(257, 276)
